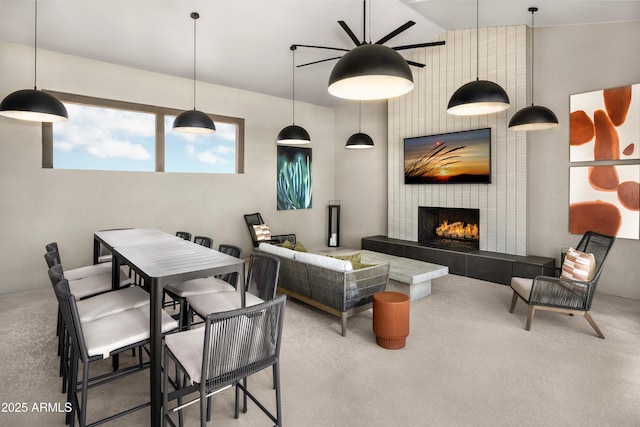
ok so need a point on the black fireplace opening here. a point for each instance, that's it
(449, 227)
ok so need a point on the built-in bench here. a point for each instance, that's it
(483, 265)
(409, 276)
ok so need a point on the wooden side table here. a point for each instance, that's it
(391, 319)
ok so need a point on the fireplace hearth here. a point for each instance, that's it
(449, 227)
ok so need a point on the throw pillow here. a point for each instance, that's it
(359, 265)
(354, 258)
(262, 232)
(297, 247)
(578, 266)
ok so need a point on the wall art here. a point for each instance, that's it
(295, 187)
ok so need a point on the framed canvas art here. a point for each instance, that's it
(295, 187)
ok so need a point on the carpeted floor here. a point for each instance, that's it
(468, 362)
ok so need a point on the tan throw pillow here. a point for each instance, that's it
(353, 258)
(578, 266)
(262, 232)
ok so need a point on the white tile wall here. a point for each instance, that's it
(503, 203)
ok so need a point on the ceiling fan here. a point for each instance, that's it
(362, 42)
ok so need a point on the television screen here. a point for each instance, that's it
(449, 158)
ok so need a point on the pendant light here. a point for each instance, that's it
(359, 141)
(479, 96)
(33, 104)
(194, 121)
(534, 117)
(370, 71)
(293, 134)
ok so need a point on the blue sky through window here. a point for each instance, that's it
(212, 153)
(98, 138)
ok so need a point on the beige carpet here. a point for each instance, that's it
(468, 362)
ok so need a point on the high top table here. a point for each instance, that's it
(160, 259)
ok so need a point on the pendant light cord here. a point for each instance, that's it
(293, 79)
(532, 51)
(360, 116)
(477, 41)
(195, 17)
(35, 48)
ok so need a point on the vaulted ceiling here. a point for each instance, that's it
(245, 43)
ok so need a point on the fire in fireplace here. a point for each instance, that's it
(449, 227)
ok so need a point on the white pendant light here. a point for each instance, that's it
(533, 117)
(194, 121)
(293, 134)
(479, 96)
(33, 104)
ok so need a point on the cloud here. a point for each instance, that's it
(190, 150)
(120, 149)
(210, 157)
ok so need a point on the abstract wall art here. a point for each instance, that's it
(605, 199)
(605, 124)
(294, 178)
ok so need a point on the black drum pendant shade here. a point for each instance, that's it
(479, 96)
(533, 117)
(370, 72)
(194, 121)
(293, 134)
(33, 104)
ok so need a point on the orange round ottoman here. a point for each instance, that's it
(391, 319)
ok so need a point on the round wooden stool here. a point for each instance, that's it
(391, 319)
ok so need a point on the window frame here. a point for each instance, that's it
(159, 112)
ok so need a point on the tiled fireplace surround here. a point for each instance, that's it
(502, 204)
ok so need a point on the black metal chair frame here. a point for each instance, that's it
(254, 352)
(565, 295)
(277, 239)
(184, 235)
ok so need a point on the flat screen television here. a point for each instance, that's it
(449, 158)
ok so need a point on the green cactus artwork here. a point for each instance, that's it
(294, 178)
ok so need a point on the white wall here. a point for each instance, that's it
(572, 60)
(42, 205)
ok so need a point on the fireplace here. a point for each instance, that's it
(449, 227)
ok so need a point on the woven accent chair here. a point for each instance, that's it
(232, 346)
(261, 284)
(184, 235)
(256, 219)
(179, 292)
(560, 294)
(98, 339)
(204, 241)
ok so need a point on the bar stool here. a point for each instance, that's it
(391, 319)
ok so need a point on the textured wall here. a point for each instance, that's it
(503, 203)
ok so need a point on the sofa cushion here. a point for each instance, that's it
(261, 232)
(276, 250)
(578, 266)
(323, 261)
(353, 258)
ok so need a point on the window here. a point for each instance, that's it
(119, 136)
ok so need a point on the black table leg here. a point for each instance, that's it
(156, 353)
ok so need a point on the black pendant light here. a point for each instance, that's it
(194, 121)
(479, 96)
(359, 141)
(293, 134)
(534, 117)
(33, 104)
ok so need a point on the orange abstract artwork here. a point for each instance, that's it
(604, 133)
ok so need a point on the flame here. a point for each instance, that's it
(458, 230)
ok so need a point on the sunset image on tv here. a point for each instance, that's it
(452, 158)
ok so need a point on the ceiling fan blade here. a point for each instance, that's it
(350, 33)
(415, 64)
(318, 62)
(322, 47)
(414, 46)
(395, 32)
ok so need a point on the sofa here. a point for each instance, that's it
(330, 284)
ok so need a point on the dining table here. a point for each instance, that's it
(160, 259)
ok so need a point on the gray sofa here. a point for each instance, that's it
(327, 283)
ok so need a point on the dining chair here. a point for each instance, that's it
(99, 339)
(232, 346)
(207, 285)
(184, 235)
(80, 272)
(94, 308)
(204, 241)
(260, 286)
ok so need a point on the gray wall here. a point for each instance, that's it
(572, 60)
(42, 205)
